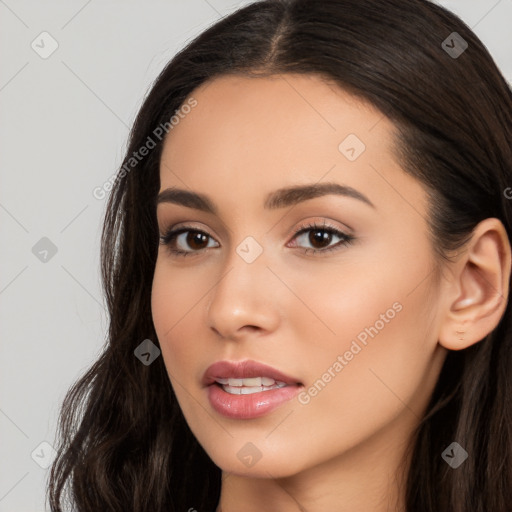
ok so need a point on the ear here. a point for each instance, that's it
(477, 291)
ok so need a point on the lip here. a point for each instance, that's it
(252, 405)
(243, 370)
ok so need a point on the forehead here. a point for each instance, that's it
(280, 111)
(252, 135)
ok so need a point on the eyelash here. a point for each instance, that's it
(346, 239)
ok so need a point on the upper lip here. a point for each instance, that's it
(243, 370)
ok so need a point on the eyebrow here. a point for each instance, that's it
(280, 198)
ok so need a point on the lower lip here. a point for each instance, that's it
(244, 407)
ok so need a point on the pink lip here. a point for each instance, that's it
(247, 406)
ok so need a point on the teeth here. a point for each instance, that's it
(249, 385)
(255, 381)
(248, 390)
(251, 382)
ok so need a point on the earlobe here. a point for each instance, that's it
(478, 292)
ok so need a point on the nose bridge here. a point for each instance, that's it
(242, 297)
(245, 265)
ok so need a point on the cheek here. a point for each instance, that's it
(171, 303)
(356, 298)
(178, 309)
(375, 352)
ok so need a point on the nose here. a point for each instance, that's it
(244, 300)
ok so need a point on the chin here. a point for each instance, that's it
(246, 459)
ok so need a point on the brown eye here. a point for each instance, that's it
(185, 241)
(321, 236)
(196, 239)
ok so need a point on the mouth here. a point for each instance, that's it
(246, 374)
(250, 385)
(247, 389)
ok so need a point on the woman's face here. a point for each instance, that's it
(352, 327)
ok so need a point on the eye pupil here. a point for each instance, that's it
(319, 236)
(195, 238)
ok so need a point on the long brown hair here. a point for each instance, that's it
(124, 443)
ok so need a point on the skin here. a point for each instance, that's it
(298, 312)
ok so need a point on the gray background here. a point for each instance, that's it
(64, 126)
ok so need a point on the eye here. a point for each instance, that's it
(322, 235)
(185, 235)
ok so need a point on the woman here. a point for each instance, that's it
(306, 259)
